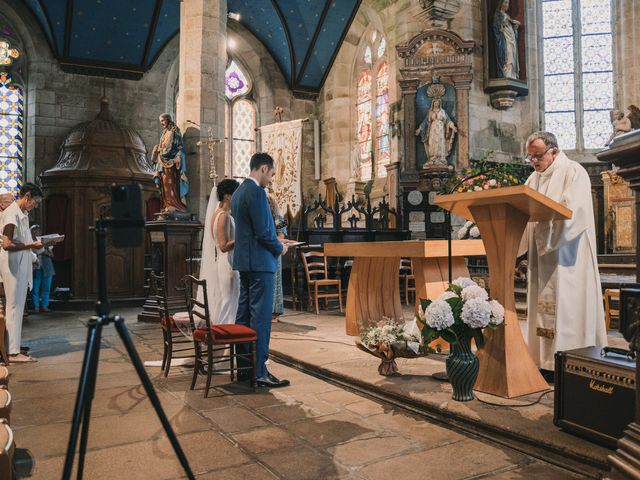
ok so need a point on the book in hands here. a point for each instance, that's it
(294, 244)
(51, 239)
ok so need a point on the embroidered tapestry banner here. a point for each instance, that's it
(283, 141)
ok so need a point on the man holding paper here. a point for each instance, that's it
(564, 299)
(16, 260)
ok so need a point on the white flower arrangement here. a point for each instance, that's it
(386, 333)
(439, 315)
(497, 312)
(462, 311)
(476, 312)
(473, 291)
(468, 230)
(463, 282)
(446, 296)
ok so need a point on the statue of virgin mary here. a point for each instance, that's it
(505, 34)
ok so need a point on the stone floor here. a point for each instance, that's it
(311, 430)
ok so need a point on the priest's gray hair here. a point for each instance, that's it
(548, 138)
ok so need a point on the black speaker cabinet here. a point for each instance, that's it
(595, 392)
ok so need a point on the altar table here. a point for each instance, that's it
(374, 286)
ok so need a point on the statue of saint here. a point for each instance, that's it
(505, 33)
(170, 165)
(620, 123)
(355, 163)
(436, 132)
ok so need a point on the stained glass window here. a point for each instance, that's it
(382, 46)
(240, 122)
(578, 71)
(367, 55)
(7, 53)
(11, 134)
(364, 123)
(383, 153)
(235, 81)
(372, 130)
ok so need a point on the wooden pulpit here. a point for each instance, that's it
(506, 367)
(374, 288)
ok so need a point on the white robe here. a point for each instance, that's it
(17, 274)
(564, 300)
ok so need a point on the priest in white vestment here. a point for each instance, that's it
(564, 300)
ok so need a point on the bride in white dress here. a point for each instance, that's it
(223, 283)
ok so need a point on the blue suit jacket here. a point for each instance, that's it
(257, 248)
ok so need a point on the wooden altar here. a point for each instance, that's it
(506, 367)
(374, 289)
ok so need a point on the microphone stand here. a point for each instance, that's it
(443, 375)
(448, 220)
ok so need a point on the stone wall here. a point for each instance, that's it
(503, 132)
(626, 38)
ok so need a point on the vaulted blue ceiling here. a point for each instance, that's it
(124, 37)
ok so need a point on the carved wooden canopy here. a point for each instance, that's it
(435, 49)
(103, 148)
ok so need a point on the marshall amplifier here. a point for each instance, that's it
(595, 393)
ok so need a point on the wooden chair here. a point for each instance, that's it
(4, 376)
(7, 448)
(407, 277)
(219, 339)
(611, 294)
(315, 269)
(171, 334)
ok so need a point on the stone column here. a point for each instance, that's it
(626, 37)
(462, 84)
(203, 58)
(409, 89)
(393, 191)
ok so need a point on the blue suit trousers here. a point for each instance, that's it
(254, 311)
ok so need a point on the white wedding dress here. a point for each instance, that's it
(223, 283)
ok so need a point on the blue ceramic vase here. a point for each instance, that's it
(462, 369)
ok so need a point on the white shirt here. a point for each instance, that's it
(256, 181)
(19, 262)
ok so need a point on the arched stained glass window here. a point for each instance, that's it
(11, 122)
(364, 123)
(240, 122)
(578, 71)
(372, 108)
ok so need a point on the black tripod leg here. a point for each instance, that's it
(81, 397)
(153, 397)
(91, 390)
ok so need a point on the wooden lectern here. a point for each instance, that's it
(374, 289)
(506, 367)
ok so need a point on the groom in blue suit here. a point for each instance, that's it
(255, 256)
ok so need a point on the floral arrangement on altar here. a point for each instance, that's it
(460, 314)
(488, 181)
(468, 230)
(485, 174)
(389, 340)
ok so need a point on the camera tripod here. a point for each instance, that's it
(87, 387)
